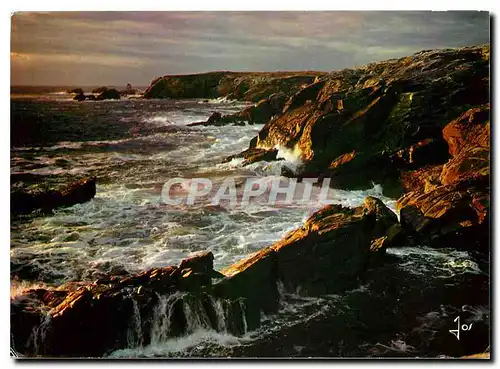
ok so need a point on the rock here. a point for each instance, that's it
(243, 86)
(215, 117)
(109, 94)
(448, 205)
(261, 112)
(79, 192)
(446, 217)
(131, 91)
(327, 255)
(472, 164)
(253, 156)
(287, 172)
(468, 138)
(471, 129)
(423, 180)
(95, 319)
(264, 110)
(429, 151)
(368, 124)
(201, 263)
(79, 97)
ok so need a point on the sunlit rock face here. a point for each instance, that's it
(376, 121)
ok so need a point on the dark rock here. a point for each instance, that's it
(79, 192)
(109, 94)
(254, 155)
(215, 117)
(200, 263)
(79, 97)
(287, 172)
(97, 318)
(243, 86)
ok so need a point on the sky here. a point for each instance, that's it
(116, 48)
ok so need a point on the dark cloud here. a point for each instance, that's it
(119, 47)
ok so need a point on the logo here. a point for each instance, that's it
(463, 327)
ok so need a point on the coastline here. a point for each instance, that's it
(418, 125)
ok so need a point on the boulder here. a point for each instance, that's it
(23, 202)
(79, 97)
(109, 94)
(215, 117)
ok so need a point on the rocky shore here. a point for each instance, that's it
(419, 126)
(330, 253)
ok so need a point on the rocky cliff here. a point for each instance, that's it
(233, 85)
(375, 122)
(371, 123)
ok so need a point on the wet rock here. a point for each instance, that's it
(468, 138)
(471, 129)
(201, 263)
(215, 117)
(446, 217)
(100, 317)
(424, 179)
(23, 202)
(327, 255)
(370, 123)
(254, 155)
(448, 205)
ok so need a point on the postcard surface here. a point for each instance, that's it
(250, 185)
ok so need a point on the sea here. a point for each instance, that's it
(134, 146)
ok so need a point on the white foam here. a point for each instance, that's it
(176, 346)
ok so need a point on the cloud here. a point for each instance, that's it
(114, 47)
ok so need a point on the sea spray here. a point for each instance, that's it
(135, 333)
(221, 313)
(183, 314)
(37, 340)
(162, 317)
(196, 315)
